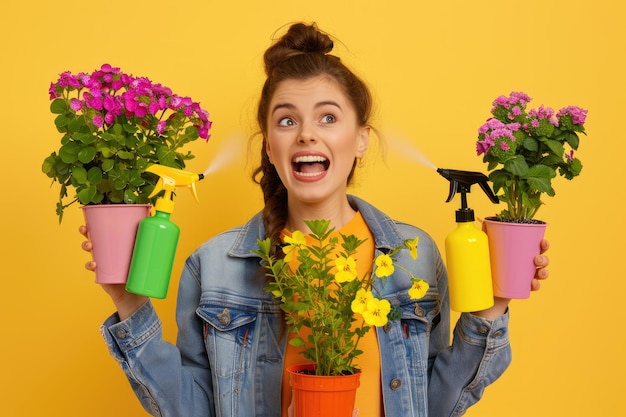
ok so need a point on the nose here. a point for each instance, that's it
(307, 134)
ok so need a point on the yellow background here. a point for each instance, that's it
(434, 67)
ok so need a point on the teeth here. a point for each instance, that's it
(310, 174)
(309, 158)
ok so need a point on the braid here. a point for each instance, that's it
(275, 199)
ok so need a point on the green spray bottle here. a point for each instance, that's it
(467, 247)
(157, 236)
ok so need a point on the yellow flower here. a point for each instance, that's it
(293, 242)
(346, 269)
(418, 289)
(412, 245)
(359, 304)
(384, 266)
(376, 312)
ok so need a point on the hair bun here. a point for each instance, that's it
(299, 39)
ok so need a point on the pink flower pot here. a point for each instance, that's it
(112, 229)
(512, 248)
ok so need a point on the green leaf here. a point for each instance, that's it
(76, 123)
(85, 138)
(118, 129)
(48, 166)
(125, 155)
(129, 197)
(297, 342)
(539, 177)
(85, 196)
(531, 144)
(79, 174)
(555, 146)
(107, 165)
(59, 106)
(572, 139)
(61, 122)
(166, 156)
(516, 165)
(87, 154)
(94, 175)
(69, 152)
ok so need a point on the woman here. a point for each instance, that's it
(231, 350)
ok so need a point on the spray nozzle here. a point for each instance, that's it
(462, 181)
(169, 179)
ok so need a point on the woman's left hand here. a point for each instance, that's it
(541, 262)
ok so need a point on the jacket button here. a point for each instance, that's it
(224, 317)
(484, 330)
(419, 311)
(498, 333)
(121, 333)
(395, 384)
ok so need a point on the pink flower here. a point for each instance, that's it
(94, 103)
(98, 121)
(141, 110)
(161, 125)
(577, 114)
(154, 107)
(76, 104)
(109, 118)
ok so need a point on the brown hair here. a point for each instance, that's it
(301, 53)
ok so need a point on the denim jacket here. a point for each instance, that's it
(228, 358)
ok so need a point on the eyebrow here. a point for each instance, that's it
(290, 106)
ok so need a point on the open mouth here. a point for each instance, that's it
(310, 165)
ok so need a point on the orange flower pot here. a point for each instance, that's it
(322, 396)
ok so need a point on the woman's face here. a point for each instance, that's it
(313, 138)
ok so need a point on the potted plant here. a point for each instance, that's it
(113, 126)
(525, 150)
(318, 287)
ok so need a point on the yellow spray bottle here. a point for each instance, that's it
(157, 236)
(467, 247)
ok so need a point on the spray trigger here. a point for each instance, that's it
(169, 179)
(462, 181)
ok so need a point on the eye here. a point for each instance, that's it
(328, 118)
(286, 121)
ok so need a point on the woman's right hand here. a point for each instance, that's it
(126, 302)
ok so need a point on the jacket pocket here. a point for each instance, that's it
(228, 336)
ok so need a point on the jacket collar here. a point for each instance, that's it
(384, 229)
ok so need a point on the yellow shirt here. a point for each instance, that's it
(368, 396)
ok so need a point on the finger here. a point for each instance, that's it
(83, 230)
(535, 285)
(541, 261)
(544, 245)
(90, 266)
(87, 246)
(541, 274)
